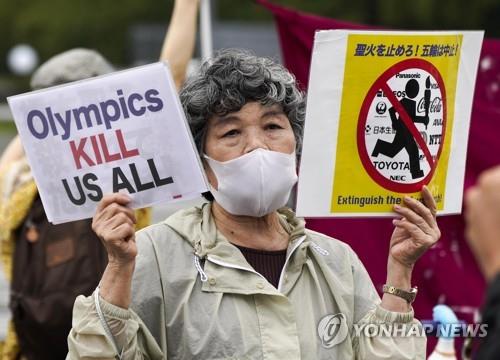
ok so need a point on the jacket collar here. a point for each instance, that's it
(225, 265)
(214, 243)
(197, 226)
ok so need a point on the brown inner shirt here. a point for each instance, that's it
(267, 263)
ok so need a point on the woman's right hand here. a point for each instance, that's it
(114, 224)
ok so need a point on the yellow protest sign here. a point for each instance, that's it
(384, 114)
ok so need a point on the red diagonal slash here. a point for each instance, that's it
(403, 115)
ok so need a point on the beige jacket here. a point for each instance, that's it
(196, 297)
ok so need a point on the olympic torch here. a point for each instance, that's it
(427, 99)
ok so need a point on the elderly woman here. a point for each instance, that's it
(240, 277)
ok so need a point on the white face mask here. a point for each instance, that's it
(254, 184)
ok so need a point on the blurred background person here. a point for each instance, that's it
(483, 233)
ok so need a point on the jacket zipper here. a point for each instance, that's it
(299, 242)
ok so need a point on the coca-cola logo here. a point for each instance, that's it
(434, 107)
(421, 105)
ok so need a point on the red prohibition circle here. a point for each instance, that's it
(363, 117)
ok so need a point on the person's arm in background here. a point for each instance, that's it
(12, 153)
(178, 46)
(483, 233)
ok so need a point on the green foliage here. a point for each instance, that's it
(7, 128)
(52, 26)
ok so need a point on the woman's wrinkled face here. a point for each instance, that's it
(254, 126)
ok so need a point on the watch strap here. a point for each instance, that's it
(409, 296)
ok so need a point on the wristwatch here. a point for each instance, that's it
(409, 296)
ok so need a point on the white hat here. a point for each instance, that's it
(71, 65)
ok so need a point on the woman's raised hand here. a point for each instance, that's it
(114, 223)
(416, 231)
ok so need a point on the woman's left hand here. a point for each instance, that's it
(415, 232)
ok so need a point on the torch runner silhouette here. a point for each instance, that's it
(403, 138)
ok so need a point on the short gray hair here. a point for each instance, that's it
(234, 77)
(71, 65)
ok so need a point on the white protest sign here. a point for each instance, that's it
(387, 112)
(122, 132)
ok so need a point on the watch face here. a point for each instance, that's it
(413, 294)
